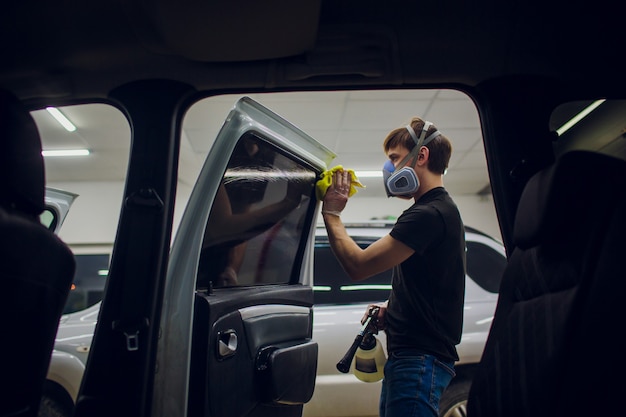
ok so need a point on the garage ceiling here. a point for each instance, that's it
(351, 123)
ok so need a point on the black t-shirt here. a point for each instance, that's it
(425, 311)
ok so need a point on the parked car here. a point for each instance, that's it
(339, 305)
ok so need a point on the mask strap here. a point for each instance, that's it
(419, 142)
(412, 133)
(413, 154)
(431, 137)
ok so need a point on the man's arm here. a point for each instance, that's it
(358, 263)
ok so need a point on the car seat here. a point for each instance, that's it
(554, 345)
(36, 267)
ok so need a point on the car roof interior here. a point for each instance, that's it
(528, 66)
(87, 49)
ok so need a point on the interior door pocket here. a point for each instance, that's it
(286, 372)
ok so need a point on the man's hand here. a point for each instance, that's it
(337, 194)
(382, 309)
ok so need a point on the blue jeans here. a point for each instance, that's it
(413, 384)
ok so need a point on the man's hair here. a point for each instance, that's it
(440, 147)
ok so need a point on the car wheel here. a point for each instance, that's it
(55, 406)
(453, 402)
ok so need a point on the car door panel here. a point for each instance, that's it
(250, 350)
(253, 357)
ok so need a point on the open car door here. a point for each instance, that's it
(237, 314)
(58, 203)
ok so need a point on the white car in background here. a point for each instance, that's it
(339, 306)
(341, 303)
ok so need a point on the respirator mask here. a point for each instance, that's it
(403, 182)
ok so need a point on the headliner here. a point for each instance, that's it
(86, 49)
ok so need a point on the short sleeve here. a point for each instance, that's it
(418, 228)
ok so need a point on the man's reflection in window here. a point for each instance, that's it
(261, 190)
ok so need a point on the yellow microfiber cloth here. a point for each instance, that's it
(327, 179)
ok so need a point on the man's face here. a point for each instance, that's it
(396, 155)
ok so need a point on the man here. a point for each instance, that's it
(423, 317)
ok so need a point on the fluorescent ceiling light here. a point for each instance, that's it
(60, 117)
(66, 152)
(365, 287)
(579, 117)
(373, 174)
(369, 174)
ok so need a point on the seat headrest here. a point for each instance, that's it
(566, 195)
(22, 174)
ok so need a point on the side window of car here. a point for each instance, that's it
(49, 218)
(485, 265)
(258, 218)
(89, 281)
(333, 286)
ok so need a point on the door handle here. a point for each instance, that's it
(226, 343)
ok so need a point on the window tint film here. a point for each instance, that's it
(485, 266)
(334, 286)
(257, 221)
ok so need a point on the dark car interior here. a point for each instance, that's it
(528, 66)
(558, 295)
(36, 266)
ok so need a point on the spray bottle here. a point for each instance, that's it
(367, 352)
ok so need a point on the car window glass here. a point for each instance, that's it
(48, 218)
(89, 159)
(89, 281)
(354, 124)
(334, 286)
(484, 265)
(258, 218)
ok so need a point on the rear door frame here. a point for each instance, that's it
(119, 374)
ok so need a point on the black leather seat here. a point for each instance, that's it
(555, 346)
(36, 268)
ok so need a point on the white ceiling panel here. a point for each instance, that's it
(364, 140)
(377, 114)
(395, 95)
(472, 160)
(446, 114)
(351, 123)
(307, 115)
